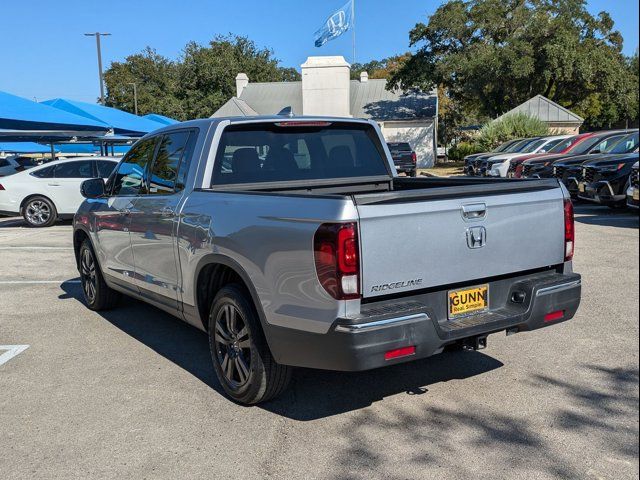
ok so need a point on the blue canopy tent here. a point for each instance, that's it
(17, 113)
(122, 123)
(156, 117)
(23, 147)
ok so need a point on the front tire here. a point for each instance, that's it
(40, 212)
(97, 294)
(240, 354)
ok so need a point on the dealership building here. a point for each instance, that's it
(327, 90)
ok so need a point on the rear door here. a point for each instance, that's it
(154, 218)
(64, 187)
(438, 241)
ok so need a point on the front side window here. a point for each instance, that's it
(164, 172)
(129, 178)
(105, 167)
(564, 144)
(79, 169)
(277, 152)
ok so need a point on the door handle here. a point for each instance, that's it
(53, 184)
(167, 212)
(125, 212)
(474, 212)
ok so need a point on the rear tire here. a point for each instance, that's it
(97, 295)
(240, 354)
(39, 212)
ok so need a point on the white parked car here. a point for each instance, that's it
(8, 166)
(498, 165)
(45, 193)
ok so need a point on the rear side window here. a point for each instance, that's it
(277, 152)
(80, 169)
(129, 178)
(46, 172)
(105, 167)
(164, 172)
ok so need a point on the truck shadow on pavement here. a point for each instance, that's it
(313, 394)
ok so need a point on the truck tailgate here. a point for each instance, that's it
(410, 242)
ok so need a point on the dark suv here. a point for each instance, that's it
(404, 158)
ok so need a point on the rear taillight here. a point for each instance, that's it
(414, 158)
(1, 187)
(569, 230)
(336, 256)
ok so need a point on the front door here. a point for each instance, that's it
(154, 219)
(113, 219)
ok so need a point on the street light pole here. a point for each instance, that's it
(98, 35)
(135, 98)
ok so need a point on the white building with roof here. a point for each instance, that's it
(326, 89)
(559, 119)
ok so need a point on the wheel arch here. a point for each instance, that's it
(213, 272)
(33, 195)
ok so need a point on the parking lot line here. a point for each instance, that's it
(12, 351)
(34, 282)
(21, 247)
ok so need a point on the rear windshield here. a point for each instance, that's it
(285, 151)
(399, 147)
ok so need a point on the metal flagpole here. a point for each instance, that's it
(353, 28)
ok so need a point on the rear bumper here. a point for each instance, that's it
(360, 343)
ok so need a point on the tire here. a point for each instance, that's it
(39, 212)
(240, 354)
(97, 295)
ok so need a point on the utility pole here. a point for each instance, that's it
(98, 35)
(135, 98)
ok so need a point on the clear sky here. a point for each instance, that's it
(43, 53)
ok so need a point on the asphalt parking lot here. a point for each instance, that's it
(131, 393)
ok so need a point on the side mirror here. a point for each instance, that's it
(92, 188)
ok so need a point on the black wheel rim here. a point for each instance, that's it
(88, 275)
(233, 346)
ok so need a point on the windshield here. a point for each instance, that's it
(533, 146)
(596, 143)
(564, 144)
(549, 146)
(518, 146)
(504, 147)
(290, 150)
(626, 144)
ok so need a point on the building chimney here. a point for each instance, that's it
(364, 77)
(326, 86)
(242, 80)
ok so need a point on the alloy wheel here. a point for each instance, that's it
(233, 345)
(88, 275)
(38, 212)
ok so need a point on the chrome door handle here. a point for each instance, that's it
(167, 212)
(475, 211)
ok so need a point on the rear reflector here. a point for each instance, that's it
(400, 352)
(553, 316)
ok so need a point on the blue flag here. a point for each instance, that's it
(336, 25)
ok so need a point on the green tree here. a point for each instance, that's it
(156, 80)
(492, 55)
(196, 84)
(515, 125)
(379, 68)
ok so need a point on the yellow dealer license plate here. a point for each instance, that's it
(581, 187)
(467, 301)
(636, 194)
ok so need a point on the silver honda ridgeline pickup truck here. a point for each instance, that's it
(292, 242)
